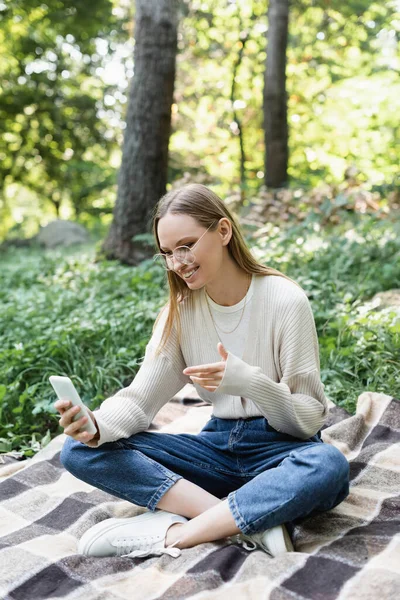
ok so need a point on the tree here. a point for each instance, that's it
(275, 97)
(143, 173)
(52, 142)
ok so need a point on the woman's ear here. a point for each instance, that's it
(225, 230)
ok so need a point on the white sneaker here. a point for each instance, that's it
(274, 541)
(143, 535)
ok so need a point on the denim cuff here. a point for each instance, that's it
(163, 489)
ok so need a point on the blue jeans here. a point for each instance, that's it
(269, 477)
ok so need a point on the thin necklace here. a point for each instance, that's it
(241, 316)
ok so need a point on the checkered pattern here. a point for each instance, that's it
(351, 552)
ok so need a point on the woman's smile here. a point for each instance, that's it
(190, 275)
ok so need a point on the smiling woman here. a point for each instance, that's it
(224, 267)
(244, 335)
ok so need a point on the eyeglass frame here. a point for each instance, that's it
(172, 257)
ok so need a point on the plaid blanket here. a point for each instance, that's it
(351, 552)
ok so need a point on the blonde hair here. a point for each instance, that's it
(199, 202)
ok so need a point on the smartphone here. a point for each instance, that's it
(65, 390)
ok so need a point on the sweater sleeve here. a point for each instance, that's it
(296, 404)
(133, 408)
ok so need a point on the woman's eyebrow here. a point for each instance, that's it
(179, 242)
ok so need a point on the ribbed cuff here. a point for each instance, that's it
(112, 430)
(237, 377)
(105, 433)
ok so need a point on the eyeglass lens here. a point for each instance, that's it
(183, 255)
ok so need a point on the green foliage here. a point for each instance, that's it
(342, 85)
(61, 120)
(343, 88)
(64, 313)
(341, 269)
(52, 141)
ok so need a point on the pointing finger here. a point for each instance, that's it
(212, 368)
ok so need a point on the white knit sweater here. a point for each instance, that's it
(279, 374)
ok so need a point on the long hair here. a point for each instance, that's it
(199, 202)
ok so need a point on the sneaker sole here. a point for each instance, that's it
(284, 544)
(288, 541)
(93, 533)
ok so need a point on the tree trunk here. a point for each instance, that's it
(243, 37)
(275, 99)
(143, 173)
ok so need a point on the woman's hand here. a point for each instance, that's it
(209, 376)
(71, 427)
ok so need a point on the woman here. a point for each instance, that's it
(244, 335)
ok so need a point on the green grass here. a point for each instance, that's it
(341, 269)
(61, 312)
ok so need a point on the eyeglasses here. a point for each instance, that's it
(183, 254)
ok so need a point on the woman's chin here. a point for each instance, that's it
(195, 285)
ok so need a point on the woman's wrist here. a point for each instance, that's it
(96, 437)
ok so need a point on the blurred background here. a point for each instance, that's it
(67, 66)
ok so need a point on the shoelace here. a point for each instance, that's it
(247, 544)
(132, 547)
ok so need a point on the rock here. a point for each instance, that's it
(17, 243)
(382, 301)
(62, 233)
(388, 299)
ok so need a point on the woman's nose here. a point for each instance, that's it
(180, 263)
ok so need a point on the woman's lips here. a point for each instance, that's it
(193, 274)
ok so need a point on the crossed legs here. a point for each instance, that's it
(311, 476)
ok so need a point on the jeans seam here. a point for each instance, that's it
(216, 470)
(240, 522)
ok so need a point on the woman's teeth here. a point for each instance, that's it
(188, 275)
